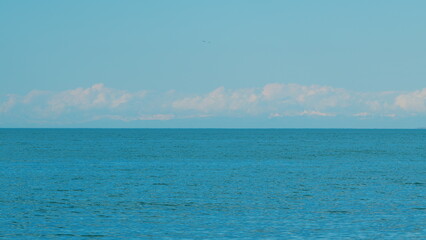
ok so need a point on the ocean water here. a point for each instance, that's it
(212, 184)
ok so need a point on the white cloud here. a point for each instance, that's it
(121, 100)
(272, 100)
(215, 100)
(318, 97)
(220, 100)
(145, 117)
(10, 102)
(273, 90)
(96, 96)
(80, 104)
(157, 117)
(316, 113)
(412, 101)
(390, 115)
(303, 113)
(33, 95)
(361, 114)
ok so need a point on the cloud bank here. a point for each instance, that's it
(274, 100)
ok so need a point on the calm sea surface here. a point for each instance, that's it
(212, 183)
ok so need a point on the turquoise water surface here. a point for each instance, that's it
(212, 183)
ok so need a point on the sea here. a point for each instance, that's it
(212, 184)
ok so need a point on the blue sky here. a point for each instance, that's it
(213, 64)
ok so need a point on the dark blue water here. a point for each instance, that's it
(219, 184)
